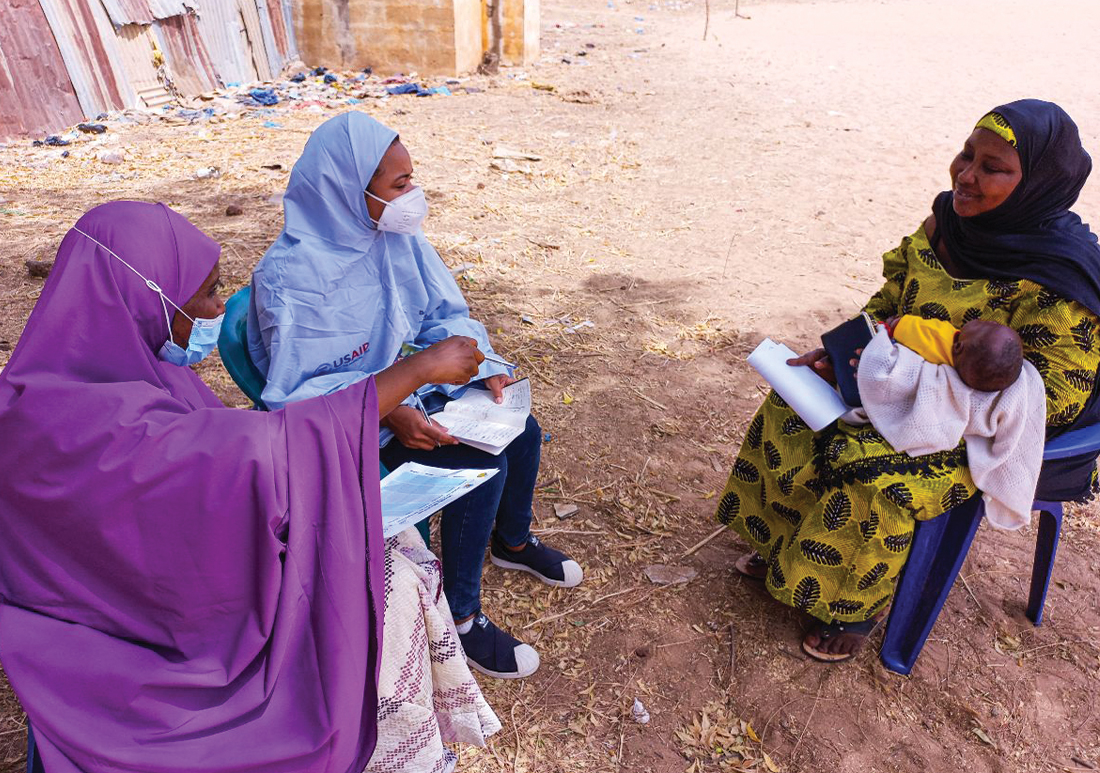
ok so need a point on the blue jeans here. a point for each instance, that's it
(504, 500)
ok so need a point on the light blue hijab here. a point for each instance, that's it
(333, 299)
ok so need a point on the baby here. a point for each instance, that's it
(987, 355)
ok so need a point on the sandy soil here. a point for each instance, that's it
(692, 197)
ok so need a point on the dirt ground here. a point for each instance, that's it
(692, 196)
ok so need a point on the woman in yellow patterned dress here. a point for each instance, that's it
(830, 515)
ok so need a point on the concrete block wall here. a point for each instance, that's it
(431, 37)
(519, 31)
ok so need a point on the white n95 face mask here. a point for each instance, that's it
(403, 215)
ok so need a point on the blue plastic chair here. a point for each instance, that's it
(233, 348)
(940, 547)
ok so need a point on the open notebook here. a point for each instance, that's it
(476, 420)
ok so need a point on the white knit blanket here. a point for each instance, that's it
(921, 408)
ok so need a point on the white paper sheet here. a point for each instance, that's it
(811, 397)
(477, 420)
(414, 491)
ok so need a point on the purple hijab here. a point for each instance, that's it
(183, 587)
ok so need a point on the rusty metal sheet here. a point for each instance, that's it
(36, 96)
(186, 54)
(250, 16)
(123, 12)
(274, 29)
(86, 39)
(223, 32)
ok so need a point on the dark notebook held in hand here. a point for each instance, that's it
(840, 344)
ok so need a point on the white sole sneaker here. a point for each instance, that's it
(570, 569)
(527, 663)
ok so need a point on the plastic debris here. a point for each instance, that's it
(666, 574)
(330, 78)
(547, 437)
(572, 330)
(272, 125)
(502, 152)
(56, 141)
(264, 96)
(300, 77)
(91, 128)
(508, 165)
(110, 156)
(564, 511)
(207, 172)
(319, 71)
(638, 713)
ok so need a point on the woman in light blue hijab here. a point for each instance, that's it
(349, 281)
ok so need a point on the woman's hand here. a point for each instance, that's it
(496, 385)
(454, 360)
(819, 361)
(409, 426)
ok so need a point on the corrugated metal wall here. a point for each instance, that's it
(35, 90)
(65, 60)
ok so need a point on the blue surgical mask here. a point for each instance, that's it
(202, 341)
(204, 332)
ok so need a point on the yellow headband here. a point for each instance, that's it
(999, 125)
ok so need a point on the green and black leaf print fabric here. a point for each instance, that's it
(833, 513)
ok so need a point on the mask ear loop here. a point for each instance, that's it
(164, 299)
(383, 202)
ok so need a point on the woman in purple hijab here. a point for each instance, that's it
(184, 587)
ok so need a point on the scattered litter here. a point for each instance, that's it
(110, 156)
(458, 271)
(39, 269)
(298, 78)
(666, 574)
(567, 398)
(579, 326)
(207, 172)
(508, 165)
(526, 320)
(330, 78)
(272, 125)
(264, 97)
(502, 152)
(545, 86)
(91, 128)
(564, 511)
(56, 141)
(547, 437)
(638, 713)
(418, 90)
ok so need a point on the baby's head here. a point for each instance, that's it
(988, 355)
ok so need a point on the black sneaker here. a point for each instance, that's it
(551, 566)
(496, 653)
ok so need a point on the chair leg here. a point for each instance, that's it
(938, 551)
(1046, 545)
